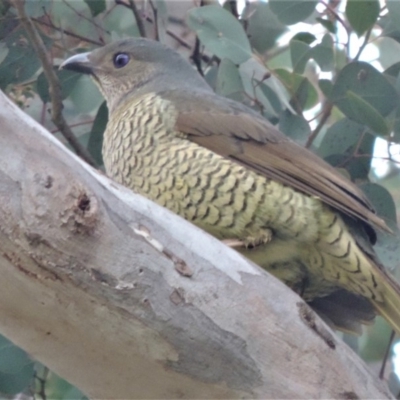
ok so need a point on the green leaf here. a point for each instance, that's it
(362, 14)
(364, 81)
(388, 245)
(252, 72)
(300, 54)
(394, 121)
(326, 87)
(60, 389)
(16, 368)
(85, 95)
(292, 11)
(340, 137)
(381, 199)
(305, 37)
(303, 95)
(357, 167)
(95, 142)
(326, 23)
(263, 28)
(96, 6)
(228, 79)
(12, 358)
(210, 76)
(394, 12)
(13, 384)
(37, 8)
(390, 28)
(376, 342)
(120, 23)
(393, 70)
(68, 80)
(364, 113)
(323, 53)
(221, 33)
(294, 126)
(272, 97)
(21, 61)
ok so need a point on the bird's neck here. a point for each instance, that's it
(141, 127)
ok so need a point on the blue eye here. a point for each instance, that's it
(120, 60)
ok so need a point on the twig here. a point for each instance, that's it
(386, 356)
(181, 41)
(155, 16)
(196, 57)
(75, 125)
(233, 7)
(90, 20)
(138, 18)
(67, 32)
(42, 383)
(336, 15)
(324, 118)
(54, 83)
(362, 47)
(338, 18)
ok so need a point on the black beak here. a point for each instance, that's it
(78, 63)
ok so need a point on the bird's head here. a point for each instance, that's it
(128, 66)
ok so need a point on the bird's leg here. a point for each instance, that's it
(264, 237)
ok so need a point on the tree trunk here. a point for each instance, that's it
(126, 300)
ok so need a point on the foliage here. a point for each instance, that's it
(306, 65)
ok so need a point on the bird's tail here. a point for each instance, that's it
(389, 307)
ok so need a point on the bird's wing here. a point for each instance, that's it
(240, 134)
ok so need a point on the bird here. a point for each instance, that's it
(224, 167)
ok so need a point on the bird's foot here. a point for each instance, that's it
(250, 242)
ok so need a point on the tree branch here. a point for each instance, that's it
(54, 83)
(67, 32)
(126, 300)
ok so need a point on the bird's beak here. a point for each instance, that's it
(78, 63)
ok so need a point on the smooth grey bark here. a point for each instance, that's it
(126, 300)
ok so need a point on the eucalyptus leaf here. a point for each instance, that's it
(362, 14)
(368, 83)
(357, 167)
(68, 80)
(12, 358)
(326, 87)
(305, 37)
(13, 384)
(21, 61)
(96, 6)
(365, 95)
(323, 53)
(85, 95)
(290, 12)
(382, 201)
(340, 137)
(363, 112)
(220, 32)
(300, 53)
(95, 142)
(328, 24)
(263, 27)
(302, 94)
(272, 97)
(294, 126)
(393, 7)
